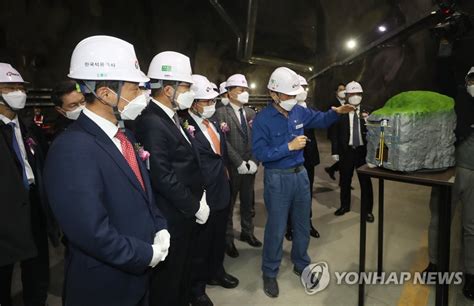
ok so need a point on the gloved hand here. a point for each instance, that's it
(203, 212)
(161, 244)
(162, 238)
(253, 167)
(335, 157)
(243, 169)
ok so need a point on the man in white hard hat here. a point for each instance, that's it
(25, 220)
(463, 189)
(98, 185)
(243, 166)
(224, 99)
(174, 170)
(68, 102)
(278, 141)
(208, 259)
(311, 160)
(349, 147)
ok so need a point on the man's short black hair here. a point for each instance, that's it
(156, 91)
(340, 84)
(90, 97)
(61, 89)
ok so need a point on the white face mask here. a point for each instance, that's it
(185, 100)
(303, 104)
(225, 101)
(15, 99)
(341, 94)
(208, 111)
(288, 104)
(134, 108)
(74, 114)
(470, 90)
(355, 100)
(243, 97)
(302, 96)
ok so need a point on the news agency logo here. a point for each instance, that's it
(316, 277)
(398, 278)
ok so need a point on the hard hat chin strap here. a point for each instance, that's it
(120, 122)
(173, 100)
(90, 88)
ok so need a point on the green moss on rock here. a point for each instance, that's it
(412, 102)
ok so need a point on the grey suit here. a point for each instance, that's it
(239, 151)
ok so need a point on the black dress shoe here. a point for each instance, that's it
(341, 211)
(289, 236)
(330, 172)
(270, 286)
(226, 281)
(313, 232)
(251, 240)
(203, 300)
(468, 289)
(296, 271)
(370, 218)
(231, 251)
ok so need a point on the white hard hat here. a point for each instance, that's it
(222, 88)
(286, 81)
(105, 58)
(214, 86)
(171, 66)
(353, 87)
(8, 74)
(202, 88)
(303, 81)
(237, 80)
(471, 71)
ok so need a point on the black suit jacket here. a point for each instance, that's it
(311, 151)
(35, 148)
(174, 165)
(340, 133)
(15, 209)
(213, 167)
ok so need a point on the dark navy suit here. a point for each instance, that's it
(208, 258)
(107, 217)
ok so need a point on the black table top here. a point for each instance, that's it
(440, 178)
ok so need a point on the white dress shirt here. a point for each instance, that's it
(170, 112)
(19, 138)
(351, 126)
(203, 128)
(237, 111)
(342, 101)
(109, 128)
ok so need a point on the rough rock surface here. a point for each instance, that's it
(419, 135)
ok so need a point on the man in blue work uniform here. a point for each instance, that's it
(278, 142)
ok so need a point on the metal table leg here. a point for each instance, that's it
(380, 233)
(444, 235)
(362, 241)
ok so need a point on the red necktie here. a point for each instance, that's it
(129, 154)
(213, 135)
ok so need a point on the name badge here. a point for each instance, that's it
(299, 126)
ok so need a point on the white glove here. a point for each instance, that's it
(161, 244)
(253, 167)
(203, 212)
(243, 169)
(162, 238)
(335, 157)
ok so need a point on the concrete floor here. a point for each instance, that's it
(406, 223)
